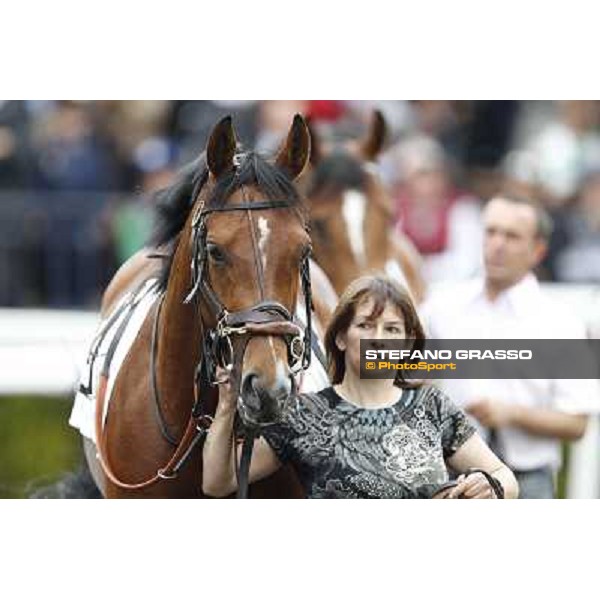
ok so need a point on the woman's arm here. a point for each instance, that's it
(475, 453)
(219, 458)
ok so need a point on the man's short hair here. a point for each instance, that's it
(544, 223)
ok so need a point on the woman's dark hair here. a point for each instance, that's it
(382, 290)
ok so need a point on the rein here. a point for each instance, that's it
(218, 348)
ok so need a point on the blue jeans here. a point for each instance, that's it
(535, 484)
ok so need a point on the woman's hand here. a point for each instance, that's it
(475, 454)
(219, 455)
(471, 487)
(227, 401)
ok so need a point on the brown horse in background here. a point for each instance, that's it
(351, 214)
(254, 260)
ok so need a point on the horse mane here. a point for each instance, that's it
(174, 203)
(337, 172)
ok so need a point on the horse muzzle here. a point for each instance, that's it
(260, 405)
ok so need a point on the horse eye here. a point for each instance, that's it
(215, 253)
(319, 227)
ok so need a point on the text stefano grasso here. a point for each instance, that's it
(498, 354)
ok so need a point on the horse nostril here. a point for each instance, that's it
(250, 391)
(248, 384)
(265, 401)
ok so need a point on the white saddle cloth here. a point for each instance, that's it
(84, 408)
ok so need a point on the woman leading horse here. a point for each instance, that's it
(365, 438)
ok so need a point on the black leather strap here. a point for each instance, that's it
(136, 298)
(244, 471)
(254, 205)
(104, 329)
(494, 483)
(154, 392)
(318, 352)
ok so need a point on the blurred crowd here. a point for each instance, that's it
(76, 179)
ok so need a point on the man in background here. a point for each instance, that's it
(524, 420)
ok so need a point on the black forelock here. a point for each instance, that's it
(173, 203)
(337, 172)
(253, 169)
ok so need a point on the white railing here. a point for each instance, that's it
(41, 350)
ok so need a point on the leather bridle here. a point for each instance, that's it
(223, 344)
(265, 317)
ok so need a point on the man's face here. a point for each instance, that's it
(511, 247)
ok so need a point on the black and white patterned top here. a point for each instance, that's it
(342, 451)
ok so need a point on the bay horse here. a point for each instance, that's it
(234, 252)
(352, 213)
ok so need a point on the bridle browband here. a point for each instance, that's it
(266, 318)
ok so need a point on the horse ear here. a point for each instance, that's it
(315, 143)
(371, 146)
(294, 154)
(221, 148)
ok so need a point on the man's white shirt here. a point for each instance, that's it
(523, 311)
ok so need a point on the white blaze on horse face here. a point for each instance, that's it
(353, 210)
(272, 348)
(282, 377)
(393, 270)
(264, 232)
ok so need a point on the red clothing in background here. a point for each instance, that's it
(425, 225)
(325, 110)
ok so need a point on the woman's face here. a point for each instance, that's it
(389, 325)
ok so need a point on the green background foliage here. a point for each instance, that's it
(37, 446)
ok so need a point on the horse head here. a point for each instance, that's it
(249, 253)
(350, 208)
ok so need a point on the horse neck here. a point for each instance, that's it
(378, 225)
(377, 238)
(179, 338)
